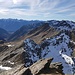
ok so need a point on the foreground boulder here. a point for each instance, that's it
(39, 65)
(44, 66)
(43, 63)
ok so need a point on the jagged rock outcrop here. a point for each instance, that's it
(44, 66)
(43, 63)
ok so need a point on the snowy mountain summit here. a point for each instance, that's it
(62, 25)
(56, 47)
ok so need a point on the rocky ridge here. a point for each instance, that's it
(56, 47)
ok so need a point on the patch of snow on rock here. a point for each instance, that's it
(5, 68)
(10, 45)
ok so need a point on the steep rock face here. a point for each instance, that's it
(56, 47)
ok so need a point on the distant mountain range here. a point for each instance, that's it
(12, 25)
(58, 25)
(22, 27)
(16, 27)
(23, 30)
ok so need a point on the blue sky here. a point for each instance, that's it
(38, 9)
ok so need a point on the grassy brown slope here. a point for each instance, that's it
(39, 34)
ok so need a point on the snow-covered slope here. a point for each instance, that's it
(4, 68)
(62, 25)
(32, 52)
(56, 47)
(59, 50)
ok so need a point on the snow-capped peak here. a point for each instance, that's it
(62, 25)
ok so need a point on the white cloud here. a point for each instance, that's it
(72, 15)
(64, 10)
(4, 11)
(30, 8)
(15, 1)
(24, 12)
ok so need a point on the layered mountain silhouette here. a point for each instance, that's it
(24, 30)
(3, 34)
(12, 25)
